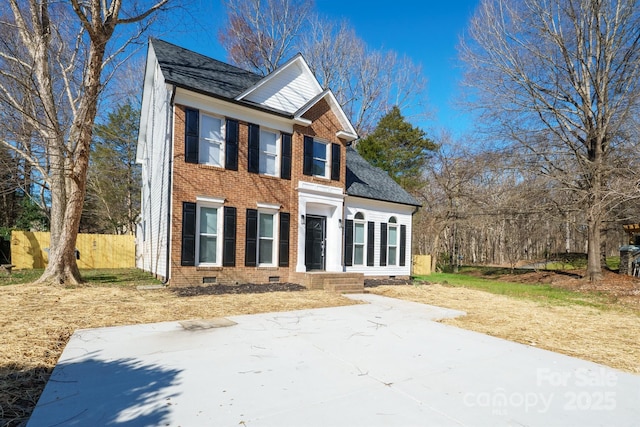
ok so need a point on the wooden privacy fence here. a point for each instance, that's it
(421, 265)
(29, 249)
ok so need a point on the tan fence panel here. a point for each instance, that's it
(29, 249)
(421, 265)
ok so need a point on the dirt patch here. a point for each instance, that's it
(606, 336)
(37, 321)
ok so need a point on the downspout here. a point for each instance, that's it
(169, 188)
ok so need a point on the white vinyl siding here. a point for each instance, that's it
(380, 212)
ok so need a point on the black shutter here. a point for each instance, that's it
(383, 244)
(191, 135)
(229, 242)
(231, 145)
(335, 162)
(348, 243)
(307, 167)
(371, 236)
(188, 253)
(283, 247)
(403, 245)
(285, 161)
(251, 243)
(254, 148)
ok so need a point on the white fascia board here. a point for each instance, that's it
(297, 59)
(230, 109)
(379, 205)
(349, 133)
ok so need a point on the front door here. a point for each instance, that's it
(314, 242)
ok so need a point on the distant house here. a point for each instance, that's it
(251, 179)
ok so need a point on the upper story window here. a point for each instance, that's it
(269, 152)
(392, 241)
(268, 163)
(266, 236)
(211, 147)
(211, 140)
(321, 159)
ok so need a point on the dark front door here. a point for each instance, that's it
(314, 242)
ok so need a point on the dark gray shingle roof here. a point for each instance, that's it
(368, 181)
(194, 71)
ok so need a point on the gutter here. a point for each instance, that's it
(169, 188)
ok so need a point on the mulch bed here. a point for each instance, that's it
(248, 288)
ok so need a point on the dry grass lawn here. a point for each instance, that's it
(607, 336)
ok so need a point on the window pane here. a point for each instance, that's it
(267, 164)
(319, 150)
(209, 152)
(208, 221)
(266, 225)
(393, 236)
(210, 128)
(359, 233)
(319, 167)
(208, 249)
(358, 255)
(265, 251)
(392, 256)
(267, 142)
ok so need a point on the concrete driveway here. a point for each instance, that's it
(385, 363)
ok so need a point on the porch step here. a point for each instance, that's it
(335, 282)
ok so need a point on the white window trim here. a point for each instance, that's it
(364, 240)
(396, 226)
(219, 228)
(223, 133)
(276, 236)
(278, 135)
(327, 159)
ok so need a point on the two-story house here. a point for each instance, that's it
(250, 179)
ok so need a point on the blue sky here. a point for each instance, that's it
(427, 31)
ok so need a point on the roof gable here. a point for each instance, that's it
(286, 89)
(370, 182)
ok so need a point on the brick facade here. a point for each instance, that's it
(242, 190)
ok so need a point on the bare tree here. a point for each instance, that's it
(561, 78)
(68, 51)
(259, 34)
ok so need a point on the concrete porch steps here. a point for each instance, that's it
(335, 282)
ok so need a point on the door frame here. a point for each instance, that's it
(323, 220)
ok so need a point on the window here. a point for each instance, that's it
(268, 153)
(266, 238)
(211, 148)
(319, 158)
(392, 241)
(358, 239)
(209, 241)
(320, 161)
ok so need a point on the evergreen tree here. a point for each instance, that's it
(112, 202)
(399, 148)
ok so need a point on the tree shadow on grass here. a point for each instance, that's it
(90, 391)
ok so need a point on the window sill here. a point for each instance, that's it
(267, 268)
(211, 167)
